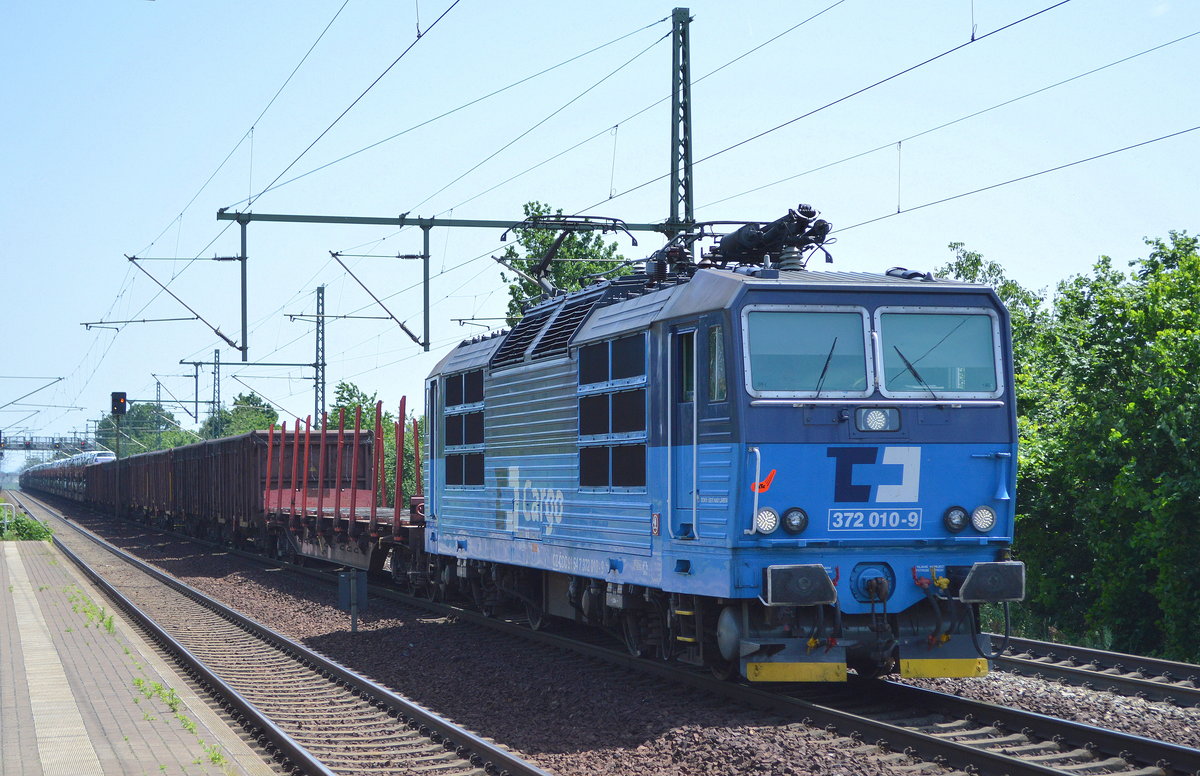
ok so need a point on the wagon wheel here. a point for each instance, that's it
(286, 549)
(401, 563)
(265, 543)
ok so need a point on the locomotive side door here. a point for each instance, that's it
(700, 452)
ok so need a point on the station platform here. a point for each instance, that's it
(85, 695)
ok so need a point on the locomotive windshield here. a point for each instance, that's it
(818, 351)
(938, 353)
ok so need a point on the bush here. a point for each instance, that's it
(25, 528)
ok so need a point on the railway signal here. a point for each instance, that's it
(119, 404)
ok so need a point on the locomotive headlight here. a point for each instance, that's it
(877, 419)
(795, 520)
(955, 519)
(983, 519)
(766, 520)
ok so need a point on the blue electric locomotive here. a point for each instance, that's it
(733, 460)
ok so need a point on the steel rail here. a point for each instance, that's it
(1096, 669)
(276, 736)
(1170, 758)
(295, 754)
(1160, 758)
(480, 752)
(1156, 757)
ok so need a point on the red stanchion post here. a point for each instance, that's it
(337, 479)
(270, 453)
(295, 467)
(354, 454)
(398, 504)
(304, 482)
(321, 474)
(377, 464)
(279, 488)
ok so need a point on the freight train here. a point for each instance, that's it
(726, 458)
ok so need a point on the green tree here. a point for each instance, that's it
(250, 412)
(347, 398)
(1109, 400)
(145, 426)
(581, 256)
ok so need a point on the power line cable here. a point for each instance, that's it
(647, 108)
(949, 123)
(249, 132)
(452, 111)
(357, 99)
(552, 114)
(1021, 178)
(838, 101)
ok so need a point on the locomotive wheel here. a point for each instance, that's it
(867, 669)
(725, 670)
(633, 629)
(485, 595)
(437, 581)
(666, 637)
(536, 615)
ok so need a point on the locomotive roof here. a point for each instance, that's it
(609, 309)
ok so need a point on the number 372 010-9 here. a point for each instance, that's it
(874, 520)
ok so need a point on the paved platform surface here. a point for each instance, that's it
(85, 695)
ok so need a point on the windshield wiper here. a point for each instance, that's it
(825, 369)
(909, 366)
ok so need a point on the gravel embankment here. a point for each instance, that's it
(1161, 721)
(574, 717)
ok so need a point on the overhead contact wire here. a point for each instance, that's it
(950, 123)
(452, 111)
(357, 99)
(840, 100)
(647, 108)
(1022, 178)
(554, 113)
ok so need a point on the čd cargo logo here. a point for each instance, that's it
(862, 476)
(532, 504)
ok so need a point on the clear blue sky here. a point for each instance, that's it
(117, 114)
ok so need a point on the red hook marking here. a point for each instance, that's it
(765, 485)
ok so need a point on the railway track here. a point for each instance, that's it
(908, 722)
(317, 716)
(948, 730)
(1142, 677)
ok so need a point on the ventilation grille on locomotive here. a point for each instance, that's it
(570, 317)
(513, 349)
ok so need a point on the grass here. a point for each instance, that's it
(158, 691)
(87, 607)
(214, 753)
